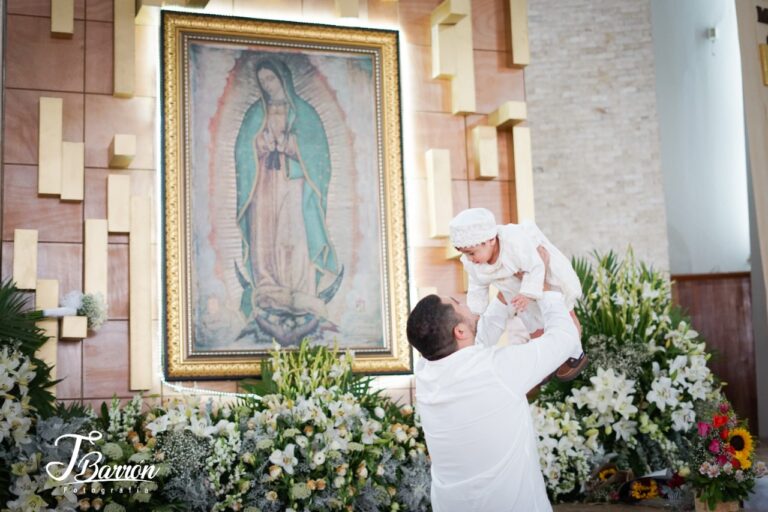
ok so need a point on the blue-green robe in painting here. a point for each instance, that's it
(312, 164)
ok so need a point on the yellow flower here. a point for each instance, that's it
(606, 473)
(741, 441)
(642, 491)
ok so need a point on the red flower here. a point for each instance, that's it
(718, 421)
(730, 449)
(722, 459)
(735, 463)
(714, 446)
(724, 434)
(724, 408)
(676, 481)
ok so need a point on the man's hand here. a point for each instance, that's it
(520, 302)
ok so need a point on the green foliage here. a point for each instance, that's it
(19, 332)
(294, 373)
(17, 327)
(626, 300)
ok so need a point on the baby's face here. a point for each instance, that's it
(479, 254)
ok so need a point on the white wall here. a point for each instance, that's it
(701, 123)
(591, 98)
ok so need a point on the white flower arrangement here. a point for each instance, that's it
(93, 306)
(336, 446)
(636, 401)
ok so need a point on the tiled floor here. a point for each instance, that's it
(757, 502)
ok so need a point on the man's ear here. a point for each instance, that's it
(461, 331)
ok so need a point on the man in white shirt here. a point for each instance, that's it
(471, 397)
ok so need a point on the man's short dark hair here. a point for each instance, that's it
(430, 328)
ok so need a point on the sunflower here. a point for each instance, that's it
(607, 473)
(741, 442)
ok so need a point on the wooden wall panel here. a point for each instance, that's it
(436, 272)
(720, 306)
(105, 116)
(105, 362)
(494, 195)
(496, 81)
(98, 57)
(95, 204)
(118, 282)
(418, 218)
(427, 95)
(47, 296)
(436, 130)
(20, 131)
(70, 370)
(100, 10)
(42, 7)
(55, 220)
(35, 60)
(490, 25)
(414, 20)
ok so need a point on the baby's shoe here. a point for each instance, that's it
(571, 368)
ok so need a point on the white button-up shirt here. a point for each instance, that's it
(476, 418)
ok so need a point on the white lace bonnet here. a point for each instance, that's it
(472, 227)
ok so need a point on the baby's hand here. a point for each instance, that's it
(520, 302)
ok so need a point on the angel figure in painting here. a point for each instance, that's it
(290, 268)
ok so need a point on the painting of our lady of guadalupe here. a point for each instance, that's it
(283, 164)
(285, 230)
(283, 197)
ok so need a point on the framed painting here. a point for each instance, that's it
(283, 210)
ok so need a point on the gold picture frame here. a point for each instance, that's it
(283, 200)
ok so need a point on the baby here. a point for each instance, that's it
(506, 257)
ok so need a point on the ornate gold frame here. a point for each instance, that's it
(177, 308)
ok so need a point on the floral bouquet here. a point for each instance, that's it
(722, 457)
(633, 406)
(90, 305)
(320, 439)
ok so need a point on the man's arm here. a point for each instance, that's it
(521, 367)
